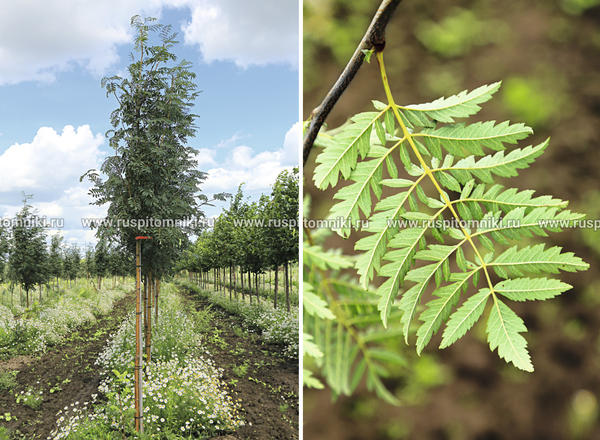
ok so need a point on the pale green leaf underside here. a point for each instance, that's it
(446, 110)
(324, 259)
(531, 289)
(503, 329)
(463, 140)
(313, 304)
(464, 317)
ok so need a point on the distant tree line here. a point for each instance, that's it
(248, 239)
(31, 257)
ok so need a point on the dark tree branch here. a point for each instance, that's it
(374, 38)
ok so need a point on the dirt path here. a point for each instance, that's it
(266, 383)
(65, 374)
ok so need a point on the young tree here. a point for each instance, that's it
(4, 248)
(55, 258)
(72, 262)
(101, 261)
(90, 263)
(151, 181)
(28, 249)
(153, 172)
(283, 216)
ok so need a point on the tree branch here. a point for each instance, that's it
(374, 38)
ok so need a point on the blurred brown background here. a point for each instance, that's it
(547, 52)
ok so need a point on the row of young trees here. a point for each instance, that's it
(248, 239)
(30, 256)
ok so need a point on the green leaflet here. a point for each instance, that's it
(503, 329)
(404, 176)
(401, 254)
(313, 304)
(461, 105)
(499, 164)
(495, 198)
(536, 260)
(382, 228)
(309, 348)
(518, 223)
(422, 276)
(531, 289)
(438, 310)
(324, 259)
(310, 381)
(341, 151)
(356, 197)
(464, 317)
(463, 140)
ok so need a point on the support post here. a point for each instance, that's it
(138, 338)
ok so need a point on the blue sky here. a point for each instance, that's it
(54, 113)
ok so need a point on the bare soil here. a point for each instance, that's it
(257, 374)
(69, 365)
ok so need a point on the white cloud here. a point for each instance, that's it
(291, 143)
(245, 32)
(257, 170)
(38, 39)
(206, 157)
(229, 141)
(51, 161)
(49, 168)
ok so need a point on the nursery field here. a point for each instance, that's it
(257, 346)
(104, 336)
(219, 367)
(48, 354)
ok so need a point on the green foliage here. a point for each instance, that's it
(28, 253)
(8, 380)
(577, 7)
(440, 237)
(153, 172)
(31, 398)
(55, 257)
(459, 32)
(530, 99)
(72, 262)
(4, 250)
(254, 236)
(340, 337)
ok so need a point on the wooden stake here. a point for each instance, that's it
(149, 290)
(157, 292)
(139, 407)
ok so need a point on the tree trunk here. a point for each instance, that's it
(145, 311)
(256, 285)
(287, 287)
(230, 286)
(157, 293)
(150, 291)
(250, 286)
(235, 282)
(242, 283)
(276, 286)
